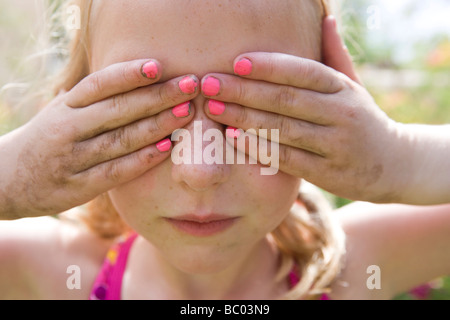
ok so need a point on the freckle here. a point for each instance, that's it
(156, 207)
(153, 38)
(170, 188)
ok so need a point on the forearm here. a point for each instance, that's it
(428, 160)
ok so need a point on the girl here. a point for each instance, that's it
(203, 231)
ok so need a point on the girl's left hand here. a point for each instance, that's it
(331, 132)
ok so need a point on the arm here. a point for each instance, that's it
(36, 253)
(409, 244)
(426, 148)
(427, 158)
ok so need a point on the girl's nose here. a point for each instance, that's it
(200, 154)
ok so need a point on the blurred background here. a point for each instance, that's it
(401, 49)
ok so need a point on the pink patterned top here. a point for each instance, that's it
(108, 284)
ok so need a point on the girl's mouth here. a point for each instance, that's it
(202, 226)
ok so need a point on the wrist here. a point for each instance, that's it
(9, 182)
(392, 187)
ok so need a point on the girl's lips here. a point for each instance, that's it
(202, 226)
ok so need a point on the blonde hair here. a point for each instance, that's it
(308, 238)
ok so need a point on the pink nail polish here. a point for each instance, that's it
(164, 145)
(182, 111)
(211, 86)
(216, 107)
(243, 67)
(150, 70)
(188, 85)
(233, 133)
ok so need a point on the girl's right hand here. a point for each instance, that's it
(109, 129)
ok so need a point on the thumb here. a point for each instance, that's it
(334, 53)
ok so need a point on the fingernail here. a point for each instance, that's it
(216, 107)
(164, 145)
(182, 111)
(233, 133)
(188, 85)
(333, 20)
(150, 70)
(211, 86)
(243, 67)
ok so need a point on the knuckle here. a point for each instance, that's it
(243, 116)
(120, 137)
(78, 150)
(337, 82)
(351, 113)
(272, 64)
(118, 103)
(128, 73)
(284, 125)
(284, 99)
(285, 155)
(164, 96)
(169, 94)
(155, 127)
(345, 82)
(309, 72)
(63, 169)
(316, 77)
(299, 138)
(241, 92)
(94, 84)
(60, 129)
(112, 172)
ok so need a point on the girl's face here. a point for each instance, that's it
(199, 37)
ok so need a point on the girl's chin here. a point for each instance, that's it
(201, 264)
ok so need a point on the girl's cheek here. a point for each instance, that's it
(139, 194)
(278, 188)
(150, 184)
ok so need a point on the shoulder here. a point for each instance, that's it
(391, 248)
(38, 254)
(360, 254)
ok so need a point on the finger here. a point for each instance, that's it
(282, 99)
(274, 127)
(138, 104)
(126, 140)
(113, 80)
(288, 70)
(110, 174)
(334, 53)
(293, 161)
